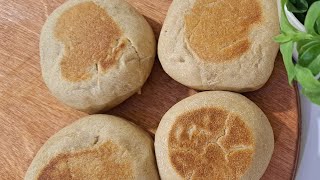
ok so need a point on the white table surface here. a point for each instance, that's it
(309, 160)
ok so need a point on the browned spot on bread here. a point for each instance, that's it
(239, 161)
(108, 161)
(217, 30)
(90, 37)
(195, 149)
(193, 130)
(115, 55)
(237, 134)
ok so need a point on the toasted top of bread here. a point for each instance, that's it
(96, 147)
(91, 41)
(217, 33)
(214, 135)
(210, 140)
(105, 161)
(96, 53)
(220, 44)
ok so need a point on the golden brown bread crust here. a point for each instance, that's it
(96, 147)
(95, 163)
(214, 135)
(89, 34)
(96, 53)
(219, 34)
(220, 44)
(201, 142)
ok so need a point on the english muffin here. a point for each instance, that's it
(220, 44)
(214, 135)
(96, 53)
(96, 147)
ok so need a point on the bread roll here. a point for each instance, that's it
(96, 53)
(220, 44)
(214, 135)
(96, 147)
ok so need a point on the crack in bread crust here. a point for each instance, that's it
(217, 30)
(210, 143)
(92, 41)
(106, 161)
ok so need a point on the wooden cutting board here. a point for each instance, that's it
(29, 114)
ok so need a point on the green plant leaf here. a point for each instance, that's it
(298, 36)
(285, 25)
(307, 79)
(317, 25)
(308, 46)
(314, 66)
(304, 44)
(300, 16)
(311, 18)
(282, 38)
(287, 50)
(311, 1)
(312, 96)
(310, 53)
(311, 61)
(297, 6)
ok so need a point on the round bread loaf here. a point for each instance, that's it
(214, 135)
(96, 147)
(96, 53)
(220, 44)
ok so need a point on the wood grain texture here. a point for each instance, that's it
(29, 114)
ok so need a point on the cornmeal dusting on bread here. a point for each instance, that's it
(210, 143)
(92, 41)
(217, 30)
(108, 161)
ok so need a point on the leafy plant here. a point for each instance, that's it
(299, 8)
(307, 69)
